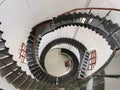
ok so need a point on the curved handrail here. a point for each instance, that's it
(34, 46)
(49, 22)
(90, 8)
(76, 9)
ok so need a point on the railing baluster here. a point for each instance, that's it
(117, 49)
(113, 32)
(90, 11)
(107, 14)
(104, 18)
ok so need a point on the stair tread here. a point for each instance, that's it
(8, 68)
(2, 40)
(24, 81)
(20, 80)
(21, 73)
(13, 75)
(5, 57)
(5, 65)
(33, 32)
(33, 85)
(1, 31)
(26, 84)
(5, 48)
(30, 85)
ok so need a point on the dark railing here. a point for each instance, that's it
(37, 29)
(79, 10)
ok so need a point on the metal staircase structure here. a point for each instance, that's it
(44, 81)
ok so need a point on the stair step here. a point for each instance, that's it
(45, 29)
(14, 74)
(112, 42)
(46, 78)
(4, 52)
(8, 68)
(109, 26)
(2, 44)
(20, 80)
(117, 36)
(88, 20)
(30, 59)
(49, 81)
(30, 42)
(41, 76)
(40, 86)
(31, 62)
(34, 66)
(45, 87)
(31, 56)
(84, 66)
(4, 49)
(77, 17)
(31, 37)
(38, 76)
(97, 17)
(29, 47)
(26, 84)
(3, 57)
(64, 23)
(6, 65)
(2, 40)
(29, 52)
(20, 74)
(6, 61)
(33, 32)
(7, 57)
(38, 83)
(57, 22)
(95, 22)
(33, 85)
(1, 32)
(53, 80)
(35, 72)
(24, 80)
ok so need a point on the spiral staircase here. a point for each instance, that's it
(74, 40)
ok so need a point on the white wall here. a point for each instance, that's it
(113, 68)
